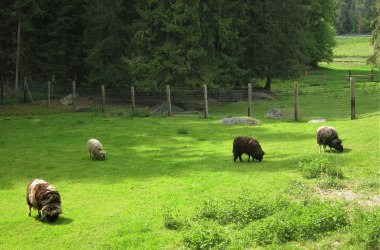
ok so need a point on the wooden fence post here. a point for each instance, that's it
(103, 98)
(206, 101)
(352, 93)
(296, 101)
(74, 94)
(133, 98)
(168, 100)
(48, 94)
(250, 100)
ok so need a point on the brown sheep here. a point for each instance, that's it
(249, 146)
(328, 136)
(45, 198)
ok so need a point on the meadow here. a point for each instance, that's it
(171, 183)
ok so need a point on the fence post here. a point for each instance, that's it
(133, 98)
(296, 101)
(250, 100)
(2, 90)
(352, 93)
(74, 94)
(25, 90)
(168, 100)
(206, 101)
(48, 94)
(103, 98)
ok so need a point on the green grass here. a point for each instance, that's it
(170, 182)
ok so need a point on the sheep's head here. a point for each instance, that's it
(51, 212)
(259, 154)
(337, 144)
(101, 155)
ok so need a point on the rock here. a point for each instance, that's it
(245, 120)
(317, 120)
(67, 100)
(275, 114)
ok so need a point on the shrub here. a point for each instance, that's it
(206, 236)
(314, 168)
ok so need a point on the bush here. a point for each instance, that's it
(314, 168)
(206, 236)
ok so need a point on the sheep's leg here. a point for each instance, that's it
(235, 157)
(319, 148)
(240, 158)
(324, 148)
(30, 210)
(39, 213)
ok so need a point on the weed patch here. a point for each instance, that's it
(206, 236)
(366, 229)
(239, 211)
(315, 168)
(298, 222)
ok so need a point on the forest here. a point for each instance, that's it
(152, 43)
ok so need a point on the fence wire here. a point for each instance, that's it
(313, 101)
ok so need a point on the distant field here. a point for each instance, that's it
(352, 49)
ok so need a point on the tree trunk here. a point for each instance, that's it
(268, 83)
(18, 50)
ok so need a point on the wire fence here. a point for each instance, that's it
(313, 101)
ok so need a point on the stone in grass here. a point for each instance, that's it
(244, 120)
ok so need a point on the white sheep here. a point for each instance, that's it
(328, 136)
(96, 149)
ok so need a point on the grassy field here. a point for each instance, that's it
(171, 183)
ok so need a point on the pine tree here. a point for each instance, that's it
(375, 40)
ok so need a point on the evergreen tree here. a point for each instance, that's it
(106, 35)
(375, 40)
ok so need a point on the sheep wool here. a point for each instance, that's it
(328, 136)
(96, 150)
(45, 198)
(249, 146)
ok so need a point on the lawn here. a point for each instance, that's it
(170, 182)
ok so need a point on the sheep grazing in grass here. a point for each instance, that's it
(96, 150)
(328, 136)
(45, 198)
(249, 146)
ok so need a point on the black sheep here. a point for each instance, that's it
(249, 146)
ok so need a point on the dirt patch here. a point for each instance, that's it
(350, 196)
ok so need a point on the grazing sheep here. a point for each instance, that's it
(45, 198)
(328, 136)
(249, 146)
(96, 150)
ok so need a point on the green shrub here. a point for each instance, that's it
(314, 168)
(206, 236)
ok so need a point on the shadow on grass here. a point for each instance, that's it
(60, 221)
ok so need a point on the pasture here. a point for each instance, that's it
(170, 182)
